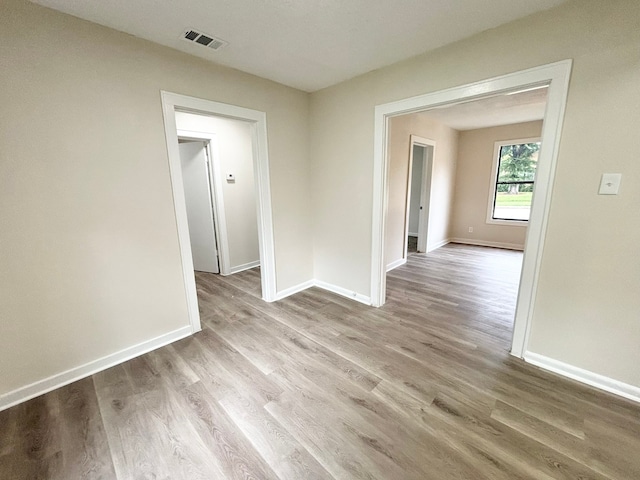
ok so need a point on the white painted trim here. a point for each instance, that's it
(258, 121)
(380, 206)
(607, 384)
(265, 214)
(439, 244)
(295, 289)
(180, 208)
(407, 211)
(507, 223)
(219, 216)
(58, 380)
(493, 180)
(358, 297)
(425, 189)
(483, 243)
(396, 264)
(244, 266)
(413, 234)
(556, 75)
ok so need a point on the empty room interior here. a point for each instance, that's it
(319, 240)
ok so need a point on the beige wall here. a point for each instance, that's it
(442, 185)
(473, 180)
(235, 155)
(89, 261)
(587, 310)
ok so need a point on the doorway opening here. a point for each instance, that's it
(227, 188)
(554, 78)
(410, 213)
(422, 152)
(245, 184)
(197, 180)
(486, 179)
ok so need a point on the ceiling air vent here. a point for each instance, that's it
(203, 39)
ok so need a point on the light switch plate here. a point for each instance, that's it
(610, 183)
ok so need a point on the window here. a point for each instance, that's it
(513, 177)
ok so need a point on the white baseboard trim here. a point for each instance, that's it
(607, 384)
(58, 380)
(483, 243)
(411, 234)
(358, 297)
(396, 264)
(439, 244)
(244, 266)
(295, 289)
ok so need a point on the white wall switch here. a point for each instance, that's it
(231, 178)
(610, 184)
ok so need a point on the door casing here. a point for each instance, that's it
(556, 76)
(208, 174)
(425, 190)
(258, 121)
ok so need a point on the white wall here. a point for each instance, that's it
(235, 155)
(89, 262)
(587, 310)
(419, 158)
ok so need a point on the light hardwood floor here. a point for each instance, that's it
(318, 387)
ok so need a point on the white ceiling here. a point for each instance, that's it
(306, 44)
(526, 106)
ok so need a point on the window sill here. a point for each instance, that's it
(510, 223)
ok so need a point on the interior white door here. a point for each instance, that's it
(197, 195)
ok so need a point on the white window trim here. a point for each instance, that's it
(494, 179)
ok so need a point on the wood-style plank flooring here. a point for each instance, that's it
(318, 387)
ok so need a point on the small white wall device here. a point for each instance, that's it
(610, 183)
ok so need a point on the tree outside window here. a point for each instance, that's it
(515, 178)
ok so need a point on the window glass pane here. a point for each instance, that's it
(518, 162)
(514, 185)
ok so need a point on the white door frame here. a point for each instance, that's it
(425, 190)
(556, 76)
(217, 200)
(258, 121)
(207, 142)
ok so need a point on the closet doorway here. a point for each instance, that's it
(197, 180)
